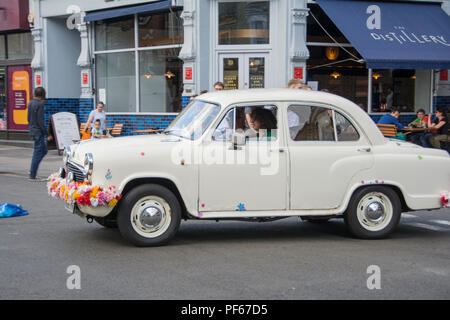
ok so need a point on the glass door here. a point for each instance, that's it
(231, 71)
(243, 71)
(255, 71)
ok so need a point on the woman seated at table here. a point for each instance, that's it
(433, 140)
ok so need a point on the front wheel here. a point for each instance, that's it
(373, 212)
(149, 215)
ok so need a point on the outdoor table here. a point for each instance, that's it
(407, 129)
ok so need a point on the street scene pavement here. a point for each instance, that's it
(287, 259)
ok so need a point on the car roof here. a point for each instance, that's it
(228, 97)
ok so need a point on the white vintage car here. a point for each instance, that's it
(253, 155)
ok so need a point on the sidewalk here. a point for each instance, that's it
(17, 160)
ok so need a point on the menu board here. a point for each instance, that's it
(65, 129)
(256, 73)
(230, 80)
(231, 73)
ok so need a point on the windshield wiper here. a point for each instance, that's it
(171, 132)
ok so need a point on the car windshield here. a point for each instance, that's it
(192, 122)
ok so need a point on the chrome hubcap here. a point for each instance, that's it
(150, 216)
(374, 211)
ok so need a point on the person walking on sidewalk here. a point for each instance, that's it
(37, 130)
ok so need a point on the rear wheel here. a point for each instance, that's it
(373, 212)
(149, 215)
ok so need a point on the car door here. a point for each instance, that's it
(326, 150)
(252, 177)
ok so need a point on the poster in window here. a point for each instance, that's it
(19, 95)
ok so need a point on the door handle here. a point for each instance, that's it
(365, 149)
(280, 150)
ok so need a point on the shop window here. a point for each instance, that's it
(160, 29)
(2, 47)
(244, 22)
(393, 88)
(20, 46)
(114, 34)
(161, 80)
(116, 83)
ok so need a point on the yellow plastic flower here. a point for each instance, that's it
(113, 202)
(76, 195)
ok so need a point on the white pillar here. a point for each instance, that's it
(37, 63)
(84, 60)
(188, 52)
(298, 52)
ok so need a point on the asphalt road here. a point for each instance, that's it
(287, 259)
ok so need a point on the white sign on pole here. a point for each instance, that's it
(65, 129)
(102, 95)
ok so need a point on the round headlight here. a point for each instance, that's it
(88, 163)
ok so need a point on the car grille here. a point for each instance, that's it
(77, 173)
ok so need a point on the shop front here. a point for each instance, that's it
(381, 55)
(15, 72)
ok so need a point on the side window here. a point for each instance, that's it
(257, 122)
(344, 128)
(310, 123)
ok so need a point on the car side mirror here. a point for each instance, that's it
(237, 140)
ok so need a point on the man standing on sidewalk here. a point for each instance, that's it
(37, 130)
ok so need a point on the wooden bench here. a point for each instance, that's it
(390, 130)
(116, 130)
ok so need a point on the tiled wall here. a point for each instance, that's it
(184, 101)
(53, 105)
(82, 108)
(441, 101)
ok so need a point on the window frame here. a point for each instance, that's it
(321, 142)
(136, 49)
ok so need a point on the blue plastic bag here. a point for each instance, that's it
(8, 210)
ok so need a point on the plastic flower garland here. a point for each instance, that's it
(82, 193)
(444, 198)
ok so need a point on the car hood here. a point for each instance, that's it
(119, 144)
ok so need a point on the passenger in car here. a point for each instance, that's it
(263, 122)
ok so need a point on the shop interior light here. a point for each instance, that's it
(169, 75)
(332, 53)
(376, 76)
(335, 75)
(413, 77)
(148, 75)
